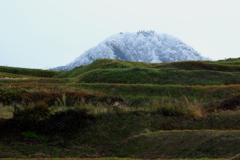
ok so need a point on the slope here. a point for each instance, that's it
(178, 73)
(151, 121)
(101, 64)
(159, 76)
(202, 65)
(28, 72)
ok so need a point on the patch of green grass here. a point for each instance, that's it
(6, 111)
(183, 73)
(102, 64)
(113, 132)
(28, 72)
(33, 80)
(164, 76)
(136, 109)
(230, 61)
(202, 65)
(182, 144)
(8, 76)
(32, 135)
(136, 94)
(8, 95)
(57, 152)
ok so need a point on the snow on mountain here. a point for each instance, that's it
(141, 46)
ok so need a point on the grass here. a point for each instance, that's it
(163, 76)
(114, 133)
(6, 111)
(40, 154)
(136, 94)
(180, 144)
(201, 65)
(4, 75)
(165, 108)
(28, 72)
(123, 110)
(101, 64)
(132, 94)
(230, 65)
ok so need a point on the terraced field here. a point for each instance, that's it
(113, 108)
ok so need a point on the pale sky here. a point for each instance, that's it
(51, 33)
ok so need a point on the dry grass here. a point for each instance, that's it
(177, 108)
(104, 107)
(166, 108)
(6, 111)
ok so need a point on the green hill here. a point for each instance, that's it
(113, 108)
(102, 64)
(232, 66)
(174, 73)
(165, 76)
(26, 72)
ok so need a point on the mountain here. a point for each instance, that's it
(141, 46)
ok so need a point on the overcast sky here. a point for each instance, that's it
(50, 33)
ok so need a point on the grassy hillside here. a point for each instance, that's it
(229, 65)
(167, 144)
(175, 73)
(102, 64)
(165, 76)
(232, 66)
(123, 133)
(14, 71)
(199, 93)
(231, 61)
(114, 108)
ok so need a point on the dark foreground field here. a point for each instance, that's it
(112, 108)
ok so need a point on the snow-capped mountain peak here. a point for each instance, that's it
(141, 46)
